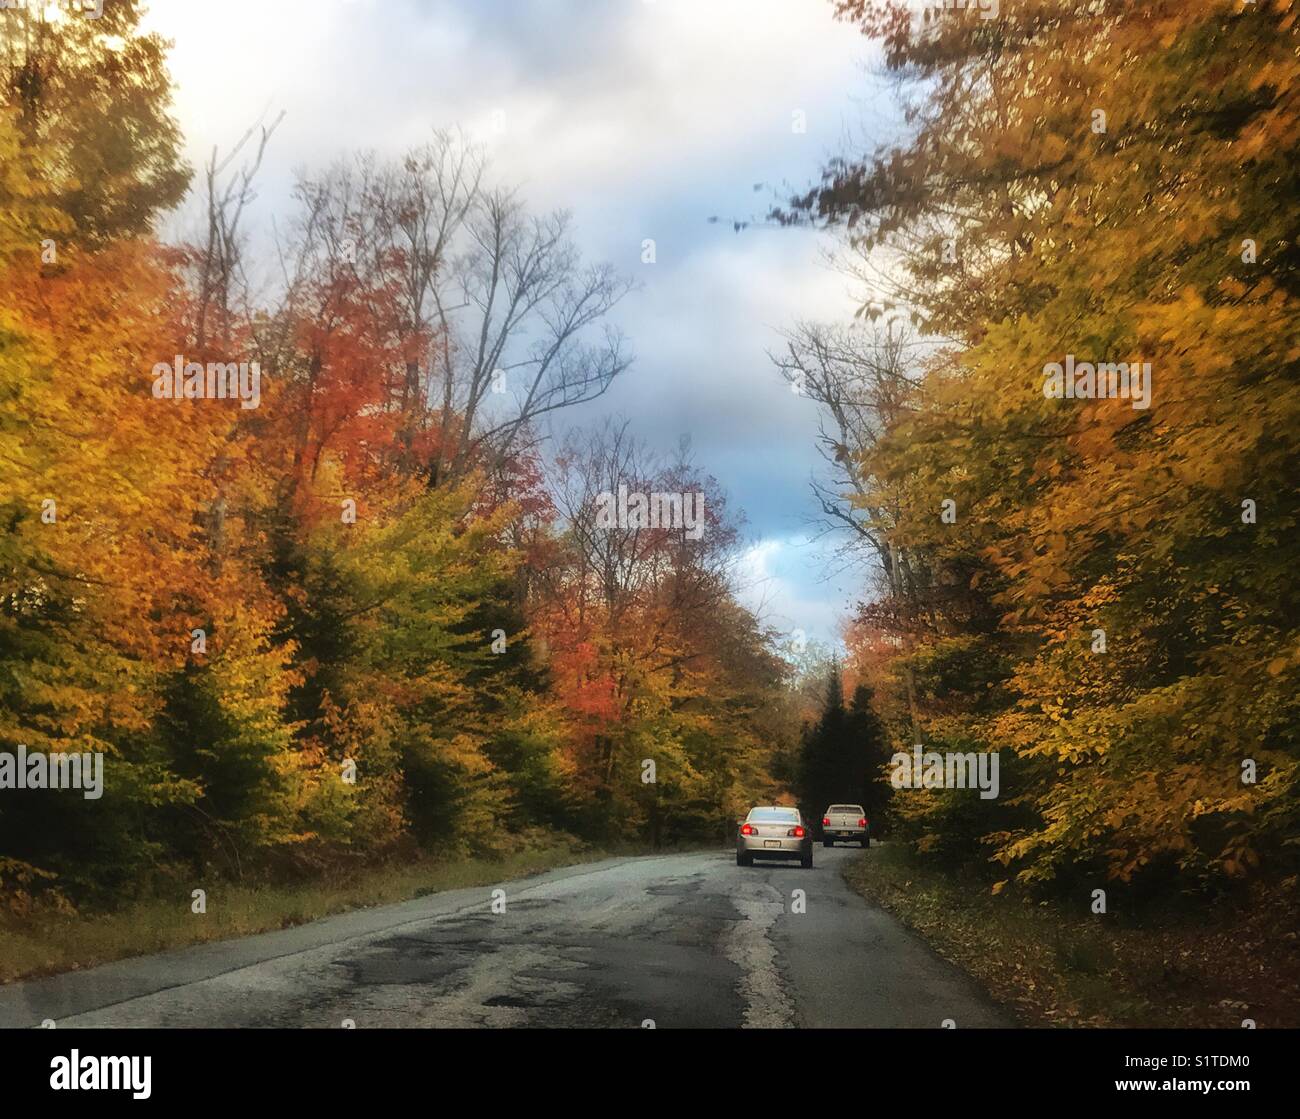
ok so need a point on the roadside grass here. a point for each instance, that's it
(1214, 968)
(51, 943)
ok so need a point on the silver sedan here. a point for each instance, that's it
(773, 833)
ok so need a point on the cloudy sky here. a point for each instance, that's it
(642, 117)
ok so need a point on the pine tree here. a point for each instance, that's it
(867, 756)
(822, 760)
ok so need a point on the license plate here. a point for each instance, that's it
(846, 833)
(771, 843)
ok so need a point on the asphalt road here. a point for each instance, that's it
(680, 940)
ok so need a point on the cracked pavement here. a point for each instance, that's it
(683, 940)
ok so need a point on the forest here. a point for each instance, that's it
(359, 593)
(364, 610)
(1099, 585)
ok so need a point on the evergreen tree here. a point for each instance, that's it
(825, 747)
(867, 755)
(843, 753)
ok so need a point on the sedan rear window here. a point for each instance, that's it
(773, 814)
(850, 808)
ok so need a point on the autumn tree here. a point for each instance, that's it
(1110, 589)
(99, 555)
(647, 645)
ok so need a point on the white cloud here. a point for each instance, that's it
(780, 581)
(595, 96)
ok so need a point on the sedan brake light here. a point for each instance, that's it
(863, 822)
(797, 832)
(826, 821)
(747, 829)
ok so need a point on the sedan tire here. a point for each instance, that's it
(744, 860)
(806, 861)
